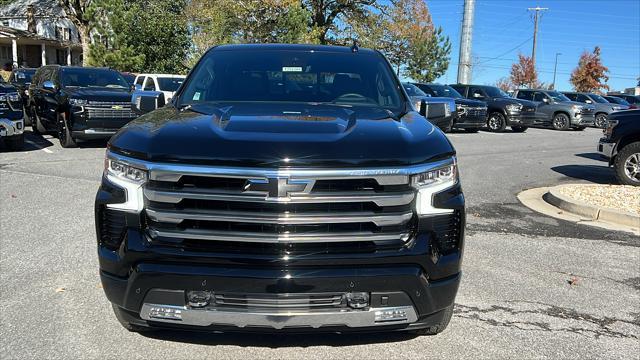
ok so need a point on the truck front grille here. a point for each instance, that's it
(109, 110)
(285, 302)
(289, 208)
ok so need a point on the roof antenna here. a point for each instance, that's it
(355, 46)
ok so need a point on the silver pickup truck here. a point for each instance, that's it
(556, 110)
(11, 117)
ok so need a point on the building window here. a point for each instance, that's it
(5, 54)
(61, 56)
(5, 23)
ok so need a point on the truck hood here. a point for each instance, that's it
(99, 93)
(469, 102)
(7, 88)
(503, 101)
(281, 135)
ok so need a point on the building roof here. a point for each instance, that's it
(18, 8)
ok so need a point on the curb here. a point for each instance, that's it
(592, 212)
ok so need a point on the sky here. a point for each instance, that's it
(502, 28)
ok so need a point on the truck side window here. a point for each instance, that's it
(581, 98)
(140, 80)
(476, 93)
(525, 95)
(572, 97)
(539, 97)
(149, 85)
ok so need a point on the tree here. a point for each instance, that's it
(504, 84)
(523, 73)
(246, 21)
(429, 56)
(82, 14)
(328, 15)
(590, 75)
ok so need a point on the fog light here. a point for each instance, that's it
(165, 313)
(390, 315)
(199, 298)
(357, 300)
(19, 125)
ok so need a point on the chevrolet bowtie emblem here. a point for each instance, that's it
(278, 188)
(117, 107)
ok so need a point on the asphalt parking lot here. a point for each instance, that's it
(533, 286)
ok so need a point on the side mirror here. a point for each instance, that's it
(477, 96)
(589, 102)
(49, 85)
(143, 102)
(545, 100)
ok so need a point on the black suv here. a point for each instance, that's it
(471, 114)
(21, 79)
(284, 188)
(79, 103)
(11, 117)
(503, 109)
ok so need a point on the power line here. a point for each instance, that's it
(506, 52)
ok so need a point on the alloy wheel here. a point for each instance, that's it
(560, 121)
(601, 120)
(632, 167)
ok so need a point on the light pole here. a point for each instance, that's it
(555, 67)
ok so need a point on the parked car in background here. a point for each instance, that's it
(633, 100)
(332, 207)
(619, 101)
(502, 109)
(471, 114)
(621, 145)
(166, 83)
(21, 79)
(556, 110)
(11, 117)
(438, 110)
(603, 107)
(79, 102)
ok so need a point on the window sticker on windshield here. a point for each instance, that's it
(292, 69)
(21, 76)
(196, 96)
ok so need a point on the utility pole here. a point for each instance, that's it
(555, 67)
(537, 10)
(464, 60)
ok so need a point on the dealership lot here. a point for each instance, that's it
(533, 286)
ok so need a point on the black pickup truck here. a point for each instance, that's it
(285, 188)
(11, 117)
(620, 145)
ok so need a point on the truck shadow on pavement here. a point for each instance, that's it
(592, 173)
(279, 340)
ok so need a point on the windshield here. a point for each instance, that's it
(413, 90)
(84, 77)
(558, 96)
(24, 76)
(348, 79)
(445, 91)
(495, 92)
(169, 83)
(598, 98)
(617, 100)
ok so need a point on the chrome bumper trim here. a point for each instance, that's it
(277, 320)
(11, 127)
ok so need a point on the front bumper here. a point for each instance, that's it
(606, 148)
(583, 120)
(468, 121)
(521, 119)
(10, 127)
(86, 128)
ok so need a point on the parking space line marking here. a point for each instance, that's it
(47, 151)
(493, 133)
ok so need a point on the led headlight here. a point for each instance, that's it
(447, 110)
(131, 179)
(514, 107)
(417, 104)
(13, 97)
(432, 182)
(577, 108)
(460, 109)
(77, 102)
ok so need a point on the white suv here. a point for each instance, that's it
(166, 83)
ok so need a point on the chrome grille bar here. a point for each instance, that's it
(380, 199)
(217, 235)
(280, 218)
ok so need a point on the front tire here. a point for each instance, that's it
(601, 120)
(561, 121)
(36, 124)
(438, 328)
(64, 133)
(519, 129)
(496, 122)
(627, 165)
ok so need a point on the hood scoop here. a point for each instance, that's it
(293, 121)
